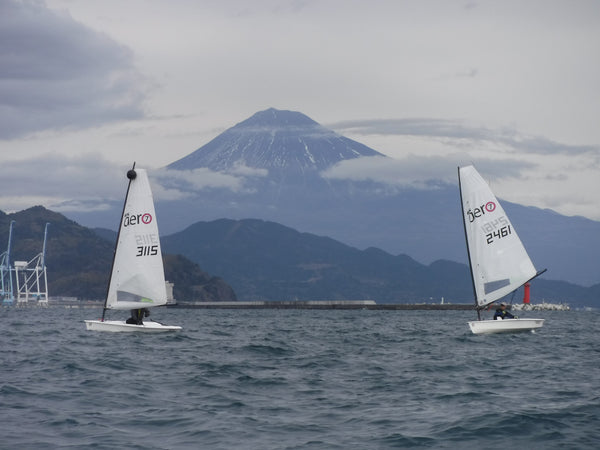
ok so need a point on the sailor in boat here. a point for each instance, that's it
(137, 316)
(502, 313)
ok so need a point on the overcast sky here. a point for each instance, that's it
(87, 87)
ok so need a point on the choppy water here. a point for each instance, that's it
(289, 379)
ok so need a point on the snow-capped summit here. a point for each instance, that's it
(275, 140)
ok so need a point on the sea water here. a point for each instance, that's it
(298, 379)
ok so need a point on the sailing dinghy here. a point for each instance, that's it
(499, 263)
(137, 279)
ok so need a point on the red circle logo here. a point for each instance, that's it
(146, 218)
(490, 206)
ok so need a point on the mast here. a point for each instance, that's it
(44, 246)
(44, 260)
(462, 208)
(12, 222)
(131, 176)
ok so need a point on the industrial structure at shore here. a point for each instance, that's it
(24, 282)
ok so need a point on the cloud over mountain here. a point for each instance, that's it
(79, 183)
(458, 130)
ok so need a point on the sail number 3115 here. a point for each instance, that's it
(498, 234)
(146, 244)
(147, 250)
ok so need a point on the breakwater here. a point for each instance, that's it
(325, 304)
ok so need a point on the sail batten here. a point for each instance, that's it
(498, 259)
(137, 279)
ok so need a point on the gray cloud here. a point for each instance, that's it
(177, 184)
(61, 183)
(422, 172)
(91, 183)
(457, 130)
(56, 73)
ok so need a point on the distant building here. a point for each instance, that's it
(170, 299)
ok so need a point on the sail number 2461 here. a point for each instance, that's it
(498, 234)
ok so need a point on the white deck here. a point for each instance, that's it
(119, 326)
(505, 326)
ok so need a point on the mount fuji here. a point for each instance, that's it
(277, 165)
(276, 162)
(284, 142)
(273, 166)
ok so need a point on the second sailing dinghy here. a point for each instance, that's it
(137, 279)
(498, 260)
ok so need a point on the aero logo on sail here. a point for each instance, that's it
(136, 219)
(480, 211)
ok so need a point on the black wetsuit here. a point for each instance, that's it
(503, 314)
(137, 316)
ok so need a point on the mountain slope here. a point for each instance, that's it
(267, 261)
(275, 140)
(78, 260)
(259, 260)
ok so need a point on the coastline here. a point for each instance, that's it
(342, 304)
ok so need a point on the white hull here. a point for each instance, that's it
(505, 326)
(119, 326)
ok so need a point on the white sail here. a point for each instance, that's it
(499, 262)
(137, 279)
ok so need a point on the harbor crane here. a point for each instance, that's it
(32, 282)
(6, 280)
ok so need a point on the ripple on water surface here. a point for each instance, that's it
(292, 379)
